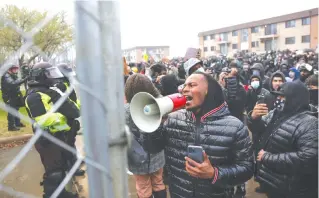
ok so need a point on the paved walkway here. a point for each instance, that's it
(28, 174)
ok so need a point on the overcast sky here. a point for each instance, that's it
(177, 23)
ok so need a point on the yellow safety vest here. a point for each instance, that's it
(77, 102)
(54, 122)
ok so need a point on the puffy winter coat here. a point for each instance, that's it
(254, 94)
(155, 161)
(225, 140)
(289, 168)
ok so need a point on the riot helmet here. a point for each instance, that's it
(44, 74)
(66, 70)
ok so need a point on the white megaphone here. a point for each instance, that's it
(147, 111)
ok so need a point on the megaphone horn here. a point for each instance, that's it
(147, 111)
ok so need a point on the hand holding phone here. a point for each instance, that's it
(196, 153)
(197, 163)
(261, 99)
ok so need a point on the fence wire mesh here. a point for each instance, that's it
(97, 41)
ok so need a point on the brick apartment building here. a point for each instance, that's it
(294, 31)
(136, 54)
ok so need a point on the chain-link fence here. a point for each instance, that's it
(100, 84)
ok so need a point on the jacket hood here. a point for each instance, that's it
(284, 62)
(276, 74)
(284, 68)
(260, 67)
(297, 73)
(297, 96)
(214, 99)
(260, 82)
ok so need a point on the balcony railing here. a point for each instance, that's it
(270, 31)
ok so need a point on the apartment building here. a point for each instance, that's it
(292, 31)
(136, 54)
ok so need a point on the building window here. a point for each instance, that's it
(212, 37)
(206, 38)
(212, 48)
(205, 49)
(234, 46)
(290, 24)
(254, 30)
(235, 33)
(222, 37)
(305, 39)
(255, 44)
(290, 40)
(305, 21)
(244, 35)
(270, 29)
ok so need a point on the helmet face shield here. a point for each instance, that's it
(66, 70)
(53, 73)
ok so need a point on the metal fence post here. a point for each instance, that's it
(90, 67)
(111, 48)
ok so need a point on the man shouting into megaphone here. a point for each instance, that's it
(207, 150)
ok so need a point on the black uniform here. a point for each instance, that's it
(39, 100)
(71, 138)
(25, 70)
(11, 95)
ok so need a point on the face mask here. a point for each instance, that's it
(256, 72)
(246, 67)
(200, 70)
(292, 75)
(255, 84)
(279, 104)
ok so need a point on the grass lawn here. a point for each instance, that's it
(4, 123)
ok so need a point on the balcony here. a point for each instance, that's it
(268, 35)
(269, 32)
(220, 42)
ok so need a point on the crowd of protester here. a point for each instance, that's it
(255, 115)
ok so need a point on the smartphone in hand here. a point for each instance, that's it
(196, 153)
(261, 99)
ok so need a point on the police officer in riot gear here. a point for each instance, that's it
(63, 84)
(12, 96)
(40, 98)
(67, 72)
(25, 70)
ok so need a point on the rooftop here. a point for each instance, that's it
(277, 19)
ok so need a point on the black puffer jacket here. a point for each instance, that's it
(226, 141)
(235, 96)
(253, 95)
(289, 167)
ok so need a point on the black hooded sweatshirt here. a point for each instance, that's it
(289, 168)
(253, 95)
(270, 98)
(261, 69)
(214, 97)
